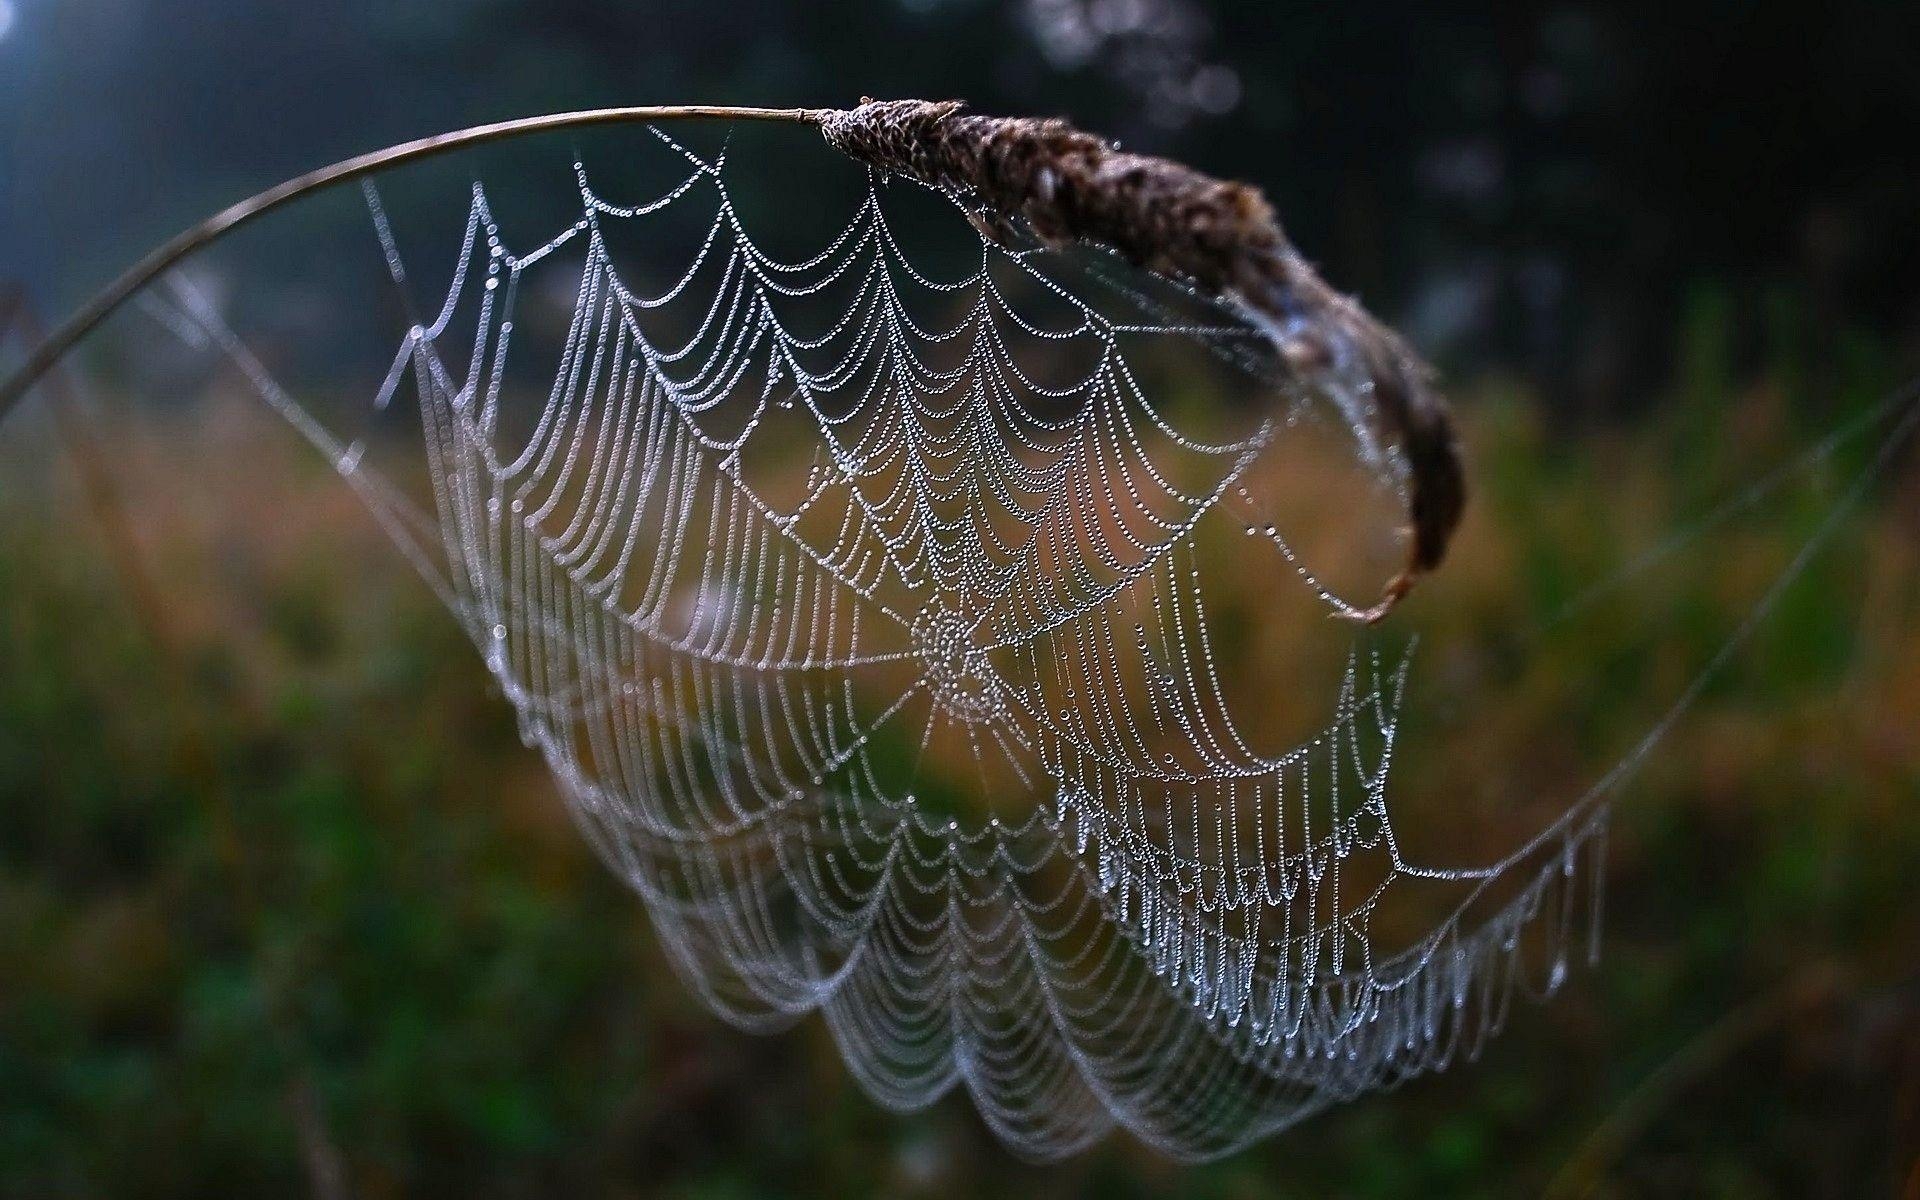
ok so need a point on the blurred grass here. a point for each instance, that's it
(284, 903)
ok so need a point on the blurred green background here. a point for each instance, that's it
(286, 908)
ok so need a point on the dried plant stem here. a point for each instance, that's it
(1069, 186)
(109, 299)
(1222, 236)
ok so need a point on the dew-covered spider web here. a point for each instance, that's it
(893, 613)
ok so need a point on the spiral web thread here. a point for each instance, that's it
(1151, 923)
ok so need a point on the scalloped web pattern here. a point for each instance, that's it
(864, 616)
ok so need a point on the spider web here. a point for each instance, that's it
(867, 619)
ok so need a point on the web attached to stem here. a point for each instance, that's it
(868, 618)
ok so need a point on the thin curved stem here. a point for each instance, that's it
(1584, 1173)
(108, 300)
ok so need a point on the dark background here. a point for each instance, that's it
(285, 907)
(1540, 187)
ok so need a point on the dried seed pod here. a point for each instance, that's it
(1222, 236)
